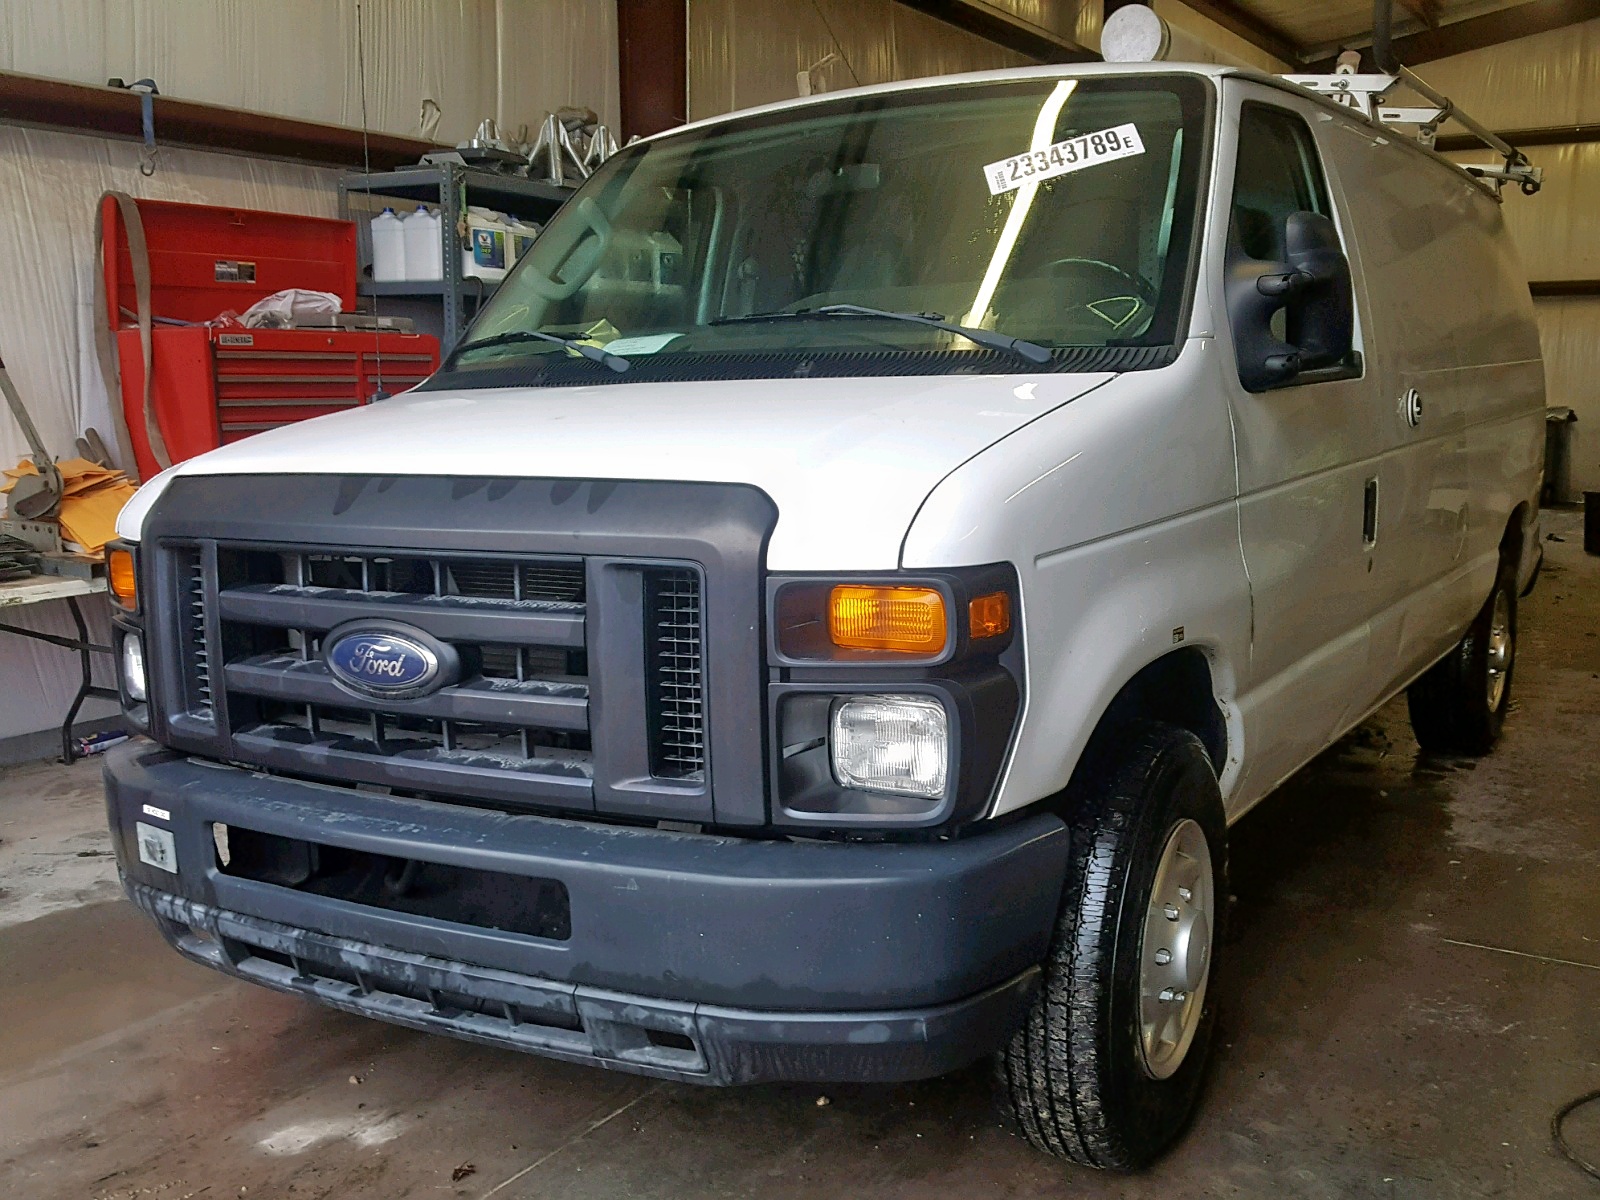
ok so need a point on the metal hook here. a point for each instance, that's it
(147, 90)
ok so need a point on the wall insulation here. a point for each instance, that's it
(1549, 79)
(513, 60)
(51, 182)
(748, 52)
(1197, 38)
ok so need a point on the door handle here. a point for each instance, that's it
(1369, 516)
(1411, 406)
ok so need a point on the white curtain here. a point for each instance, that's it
(52, 182)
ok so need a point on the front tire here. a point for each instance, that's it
(1459, 705)
(1106, 1070)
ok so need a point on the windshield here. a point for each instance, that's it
(1057, 211)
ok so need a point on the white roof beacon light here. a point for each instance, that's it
(1135, 33)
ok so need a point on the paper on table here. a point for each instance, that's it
(90, 518)
(92, 496)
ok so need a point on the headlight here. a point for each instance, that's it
(898, 744)
(133, 667)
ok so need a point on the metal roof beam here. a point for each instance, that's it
(115, 113)
(1564, 287)
(1426, 11)
(1545, 135)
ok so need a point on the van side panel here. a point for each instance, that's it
(1118, 511)
(1506, 432)
(1454, 321)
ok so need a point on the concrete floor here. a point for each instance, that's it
(1409, 989)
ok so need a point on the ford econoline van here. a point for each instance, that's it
(822, 619)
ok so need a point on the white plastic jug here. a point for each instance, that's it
(424, 246)
(388, 248)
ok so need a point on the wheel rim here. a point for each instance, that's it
(1175, 955)
(1500, 650)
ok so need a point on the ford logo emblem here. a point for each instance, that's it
(389, 663)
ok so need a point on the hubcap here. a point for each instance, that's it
(1500, 649)
(1175, 955)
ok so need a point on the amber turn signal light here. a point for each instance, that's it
(122, 579)
(908, 619)
(990, 615)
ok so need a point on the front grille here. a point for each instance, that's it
(673, 663)
(600, 641)
(511, 729)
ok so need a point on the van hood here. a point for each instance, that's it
(847, 462)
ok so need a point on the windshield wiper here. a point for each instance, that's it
(1031, 351)
(570, 341)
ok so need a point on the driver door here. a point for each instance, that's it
(1309, 457)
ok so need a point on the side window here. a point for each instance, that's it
(1277, 174)
(1291, 304)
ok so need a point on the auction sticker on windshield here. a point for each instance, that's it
(1074, 154)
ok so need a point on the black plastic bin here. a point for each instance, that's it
(1558, 424)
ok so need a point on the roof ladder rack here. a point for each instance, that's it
(1365, 93)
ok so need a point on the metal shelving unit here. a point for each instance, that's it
(452, 188)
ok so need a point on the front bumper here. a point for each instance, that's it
(701, 958)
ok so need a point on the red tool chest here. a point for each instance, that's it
(214, 384)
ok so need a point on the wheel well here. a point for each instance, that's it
(1175, 688)
(1511, 539)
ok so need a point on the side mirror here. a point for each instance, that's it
(1312, 287)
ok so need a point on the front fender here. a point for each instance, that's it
(1119, 511)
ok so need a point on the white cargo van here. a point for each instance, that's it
(821, 621)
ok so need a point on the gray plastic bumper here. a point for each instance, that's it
(701, 958)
